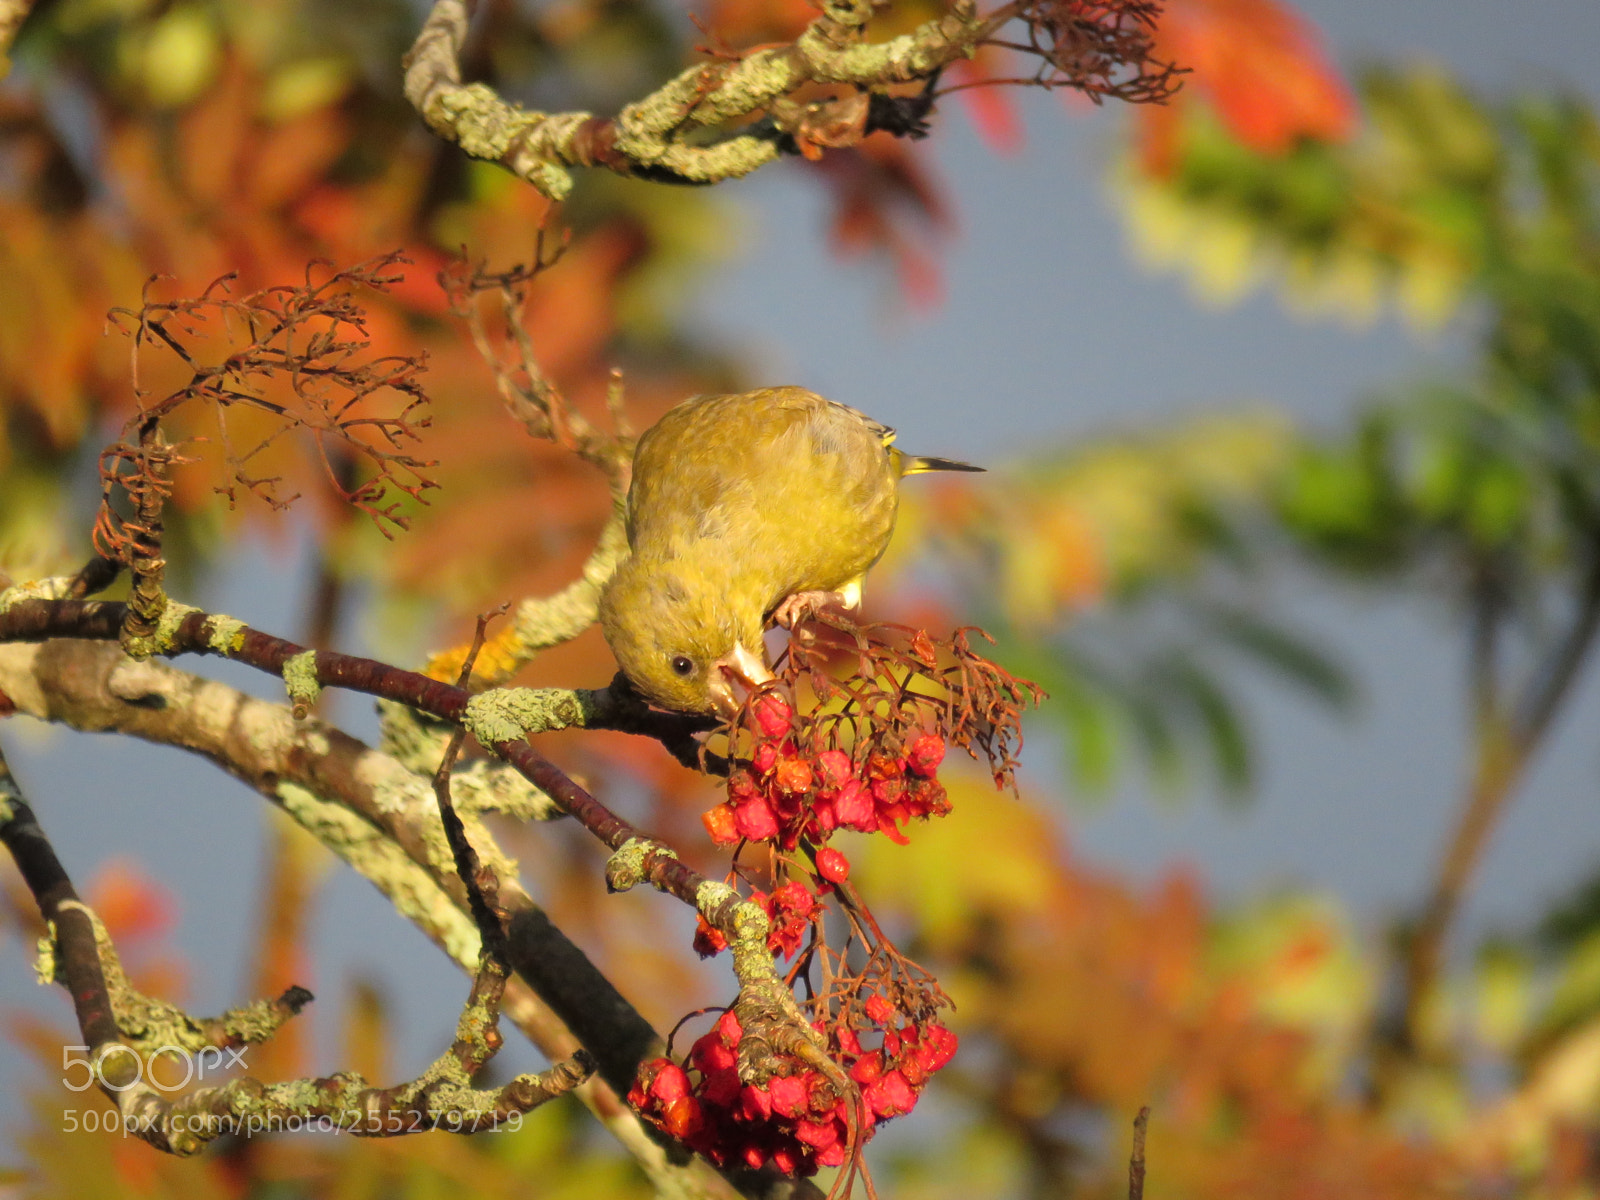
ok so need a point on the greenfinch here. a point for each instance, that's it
(744, 509)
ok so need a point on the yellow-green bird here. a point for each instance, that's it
(744, 509)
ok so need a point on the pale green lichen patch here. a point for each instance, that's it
(711, 895)
(254, 1022)
(161, 641)
(55, 587)
(486, 785)
(487, 127)
(626, 867)
(507, 714)
(44, 958)
(409, 888)
(748, 945)
(10, 794)
(408, 736)
(225, 634)
(300, 681)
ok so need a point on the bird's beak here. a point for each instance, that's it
(741, 667)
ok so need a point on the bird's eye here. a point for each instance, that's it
(683, 664)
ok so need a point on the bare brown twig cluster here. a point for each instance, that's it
(1102, 48)
(506, 344)
(261, 368)
(905, 681)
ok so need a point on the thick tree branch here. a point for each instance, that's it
(687, 130)
(376, 815)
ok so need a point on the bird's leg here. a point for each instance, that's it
(796, 608)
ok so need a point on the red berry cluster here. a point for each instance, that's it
(797, 1121)
(787, 792)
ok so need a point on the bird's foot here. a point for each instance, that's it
(801, 605)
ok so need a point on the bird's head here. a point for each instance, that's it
(683, 637)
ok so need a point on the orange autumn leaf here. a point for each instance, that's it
(130, 904)
(744, 23)
(1260, 64)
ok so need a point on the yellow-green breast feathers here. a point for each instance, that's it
(737, 503)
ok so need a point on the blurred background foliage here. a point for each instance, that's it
(1282, 1056)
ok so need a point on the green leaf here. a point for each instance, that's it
(1290, 656)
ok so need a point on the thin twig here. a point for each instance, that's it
(1136, 1157)
(1506, 739)
(479, 882)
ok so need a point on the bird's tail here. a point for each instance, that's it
(912, 464)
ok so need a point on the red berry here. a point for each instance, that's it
(833, 768)
(722, 1089)
(682, 1117)
(710, 1055)
(888, 791)
(816, 1133)
(772, 714)
(796, 898)
(831, 1156)
(765, 757)
(885, 766)
(755, 1104)
(867, 1068)
(879, 1009)
(925, 755)
(642, 1092)
(754, 819)
(938, 1047)
(832, 865)
(889, 1096)
(741, 784)
(854, 807)
(788, 1095)
(721, 825)
(793, 776)
(826, 817)
(708, 940)
(670, 1083)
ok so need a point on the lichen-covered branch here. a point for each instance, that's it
(673, 134)
(730, 116)
(375, 814)
(500, 720)
(122, 1027)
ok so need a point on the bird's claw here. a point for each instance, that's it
(801, 605)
